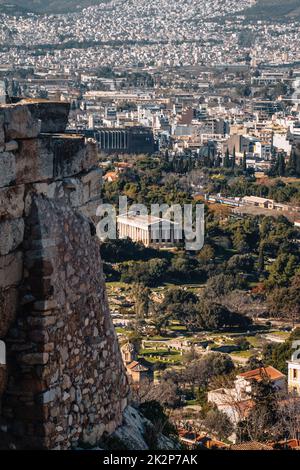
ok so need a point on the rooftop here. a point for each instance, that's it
(136, 366)
(264, 372)
(254, 445)
(141, 220)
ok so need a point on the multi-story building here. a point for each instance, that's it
(236, 402)
(294, 373)
(263, 150)
(126, 140)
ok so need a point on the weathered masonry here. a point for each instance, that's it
(62, 381)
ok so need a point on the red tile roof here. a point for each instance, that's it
(264, 372)
(111, 175)
(289, 444)
(254, 445)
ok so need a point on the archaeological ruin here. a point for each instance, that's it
(62, 380)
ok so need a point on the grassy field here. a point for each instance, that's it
(161, 356)
(244, 354)
(255, 341)
(281, 333)
(177, 328)
(121, 330)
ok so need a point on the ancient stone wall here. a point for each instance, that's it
(64, 381)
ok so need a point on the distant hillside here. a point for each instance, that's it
(10, 9)
(268, 9)
(45, 6)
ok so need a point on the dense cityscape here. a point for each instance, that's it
(190, 102)
(159, 33)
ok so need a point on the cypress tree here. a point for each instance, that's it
(244, 162)
(227, 159)
(233, 158)
(261, 259)
(297, 158)
(292, 164)
(280, 165)
(218, 161)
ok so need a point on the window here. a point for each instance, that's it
(294, 373)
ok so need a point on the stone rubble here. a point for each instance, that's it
(133, 432)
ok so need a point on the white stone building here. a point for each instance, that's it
(294, 372)
(148, 229)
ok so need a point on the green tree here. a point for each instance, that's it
(226, 163)
(277, 355)
(142, 300)
(261, 259)
(233, 161)
(214, 316)
(159, 318)
(279, 168)
(292, 163)
(241, 264)
(283, 269)
(244, 163)
(180, 304)
(240, 241)
(284, 302)
(207, 254)
(222, 284)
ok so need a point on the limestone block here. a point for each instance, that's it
(51, 190)
(69, 155)
(91, 154)
(73, 190)
(35, 358)
(34, 161)
(19, 123)
(53, 115)
(92, 185)
(45, 305)
(11, 269)
(48, 396)
(11, 146)
(8, 309)
(89, 210)
(12, 202)
(39, 336)
(11, 235)
(7, 169)
(41, 322)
